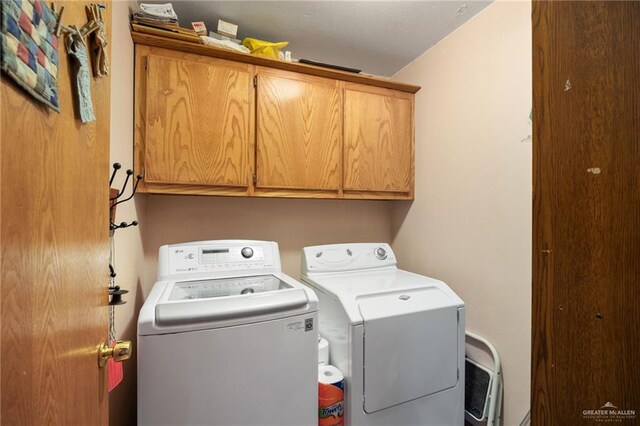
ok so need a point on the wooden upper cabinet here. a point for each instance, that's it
(216, 122)
(378, 140)
(298, 131)
(198, 119)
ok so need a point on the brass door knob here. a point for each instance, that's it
(121, 351)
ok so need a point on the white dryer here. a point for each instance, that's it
(398, 337)
(225, 338)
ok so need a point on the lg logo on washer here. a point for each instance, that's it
(308, 324)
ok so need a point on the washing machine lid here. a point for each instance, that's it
(223, 287)
(349, 288)
(190, 305)
(410, 345)
(225, 299)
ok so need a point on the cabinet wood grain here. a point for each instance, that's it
(299, 132)
(378, 145)
(211, 126)
(197, 120)
(586, 211)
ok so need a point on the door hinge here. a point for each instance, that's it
(458, 316)
(146, 60)
(255, 179)
(255, 80)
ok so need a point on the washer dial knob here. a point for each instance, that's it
(381, 253)
(247, 252)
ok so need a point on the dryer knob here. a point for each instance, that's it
(247, 252)
(381, 253)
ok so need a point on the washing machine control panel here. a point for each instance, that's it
(185, 259)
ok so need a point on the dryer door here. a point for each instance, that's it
(410, 346)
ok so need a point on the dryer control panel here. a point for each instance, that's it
(347, 257)
(217, 257)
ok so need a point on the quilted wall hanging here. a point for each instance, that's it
(30, 48)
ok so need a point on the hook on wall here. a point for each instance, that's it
(117, 196)
(116, 167)
(115, 293)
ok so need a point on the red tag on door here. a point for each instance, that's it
(114, 374)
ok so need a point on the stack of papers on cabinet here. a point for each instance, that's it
(158, 14)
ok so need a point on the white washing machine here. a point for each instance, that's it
(398, 337)
(225, 338)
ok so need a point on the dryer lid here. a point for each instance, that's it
(351, 287)
(410, 346)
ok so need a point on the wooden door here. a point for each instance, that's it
(197, 121)
(54, 252)
(378, 140)
(299, 131)
(586, 212)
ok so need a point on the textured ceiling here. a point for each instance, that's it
(379, 37)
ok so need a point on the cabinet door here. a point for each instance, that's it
(299, 132)
(378, 145)
(198, 117)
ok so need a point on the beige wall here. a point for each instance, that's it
(294, 224)
(470, 224)
(128, 244)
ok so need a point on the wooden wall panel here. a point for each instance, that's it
(586, 248)
(54, 251)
